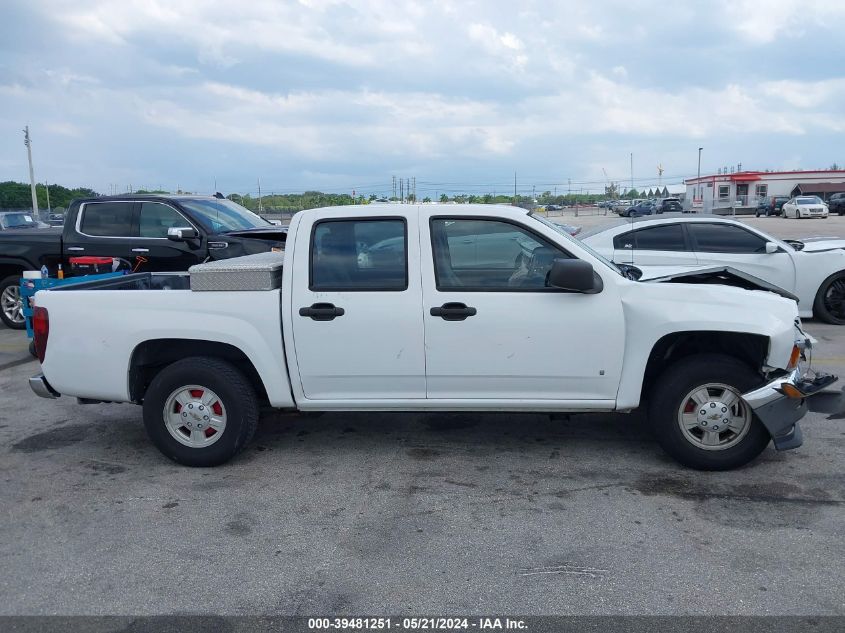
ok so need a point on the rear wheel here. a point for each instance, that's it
(11, 303)
(699, 417)
(200, 411)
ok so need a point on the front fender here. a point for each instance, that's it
(653, 311)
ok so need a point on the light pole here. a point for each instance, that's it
(698, 179)
(28, 142)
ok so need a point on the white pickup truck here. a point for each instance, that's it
(436, 308)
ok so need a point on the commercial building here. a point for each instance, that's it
(739, 192)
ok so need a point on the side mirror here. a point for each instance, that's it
(182, 233)
(575, 275)
(771, 247)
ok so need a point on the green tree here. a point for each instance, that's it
(426, 199)
(444, 198)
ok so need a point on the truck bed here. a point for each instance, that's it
(134, 281)
(98, 328)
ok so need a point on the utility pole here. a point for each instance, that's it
(260, 208)
(698, 179)
(394, 187)
(28, 142)
(47, 189)
(514, 188)
(415, 189)
(632, 171)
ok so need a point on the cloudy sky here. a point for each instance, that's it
(340, 95)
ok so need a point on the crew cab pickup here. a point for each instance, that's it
(400, 308)
(151, 233)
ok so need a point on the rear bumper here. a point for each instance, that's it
(781, 413)
(42, 388)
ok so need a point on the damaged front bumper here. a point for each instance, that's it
(781, 403)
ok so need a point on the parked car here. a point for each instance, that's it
(805, 207)
(621, 206)
(642, 208)
(812, 270)
(771, 206)
(56, 219)
(428, 325)
(19, 220)
(669, 205)
(150, 232)
(836, 203)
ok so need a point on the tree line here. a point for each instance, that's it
(16, 195)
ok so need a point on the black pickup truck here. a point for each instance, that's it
(152, 233)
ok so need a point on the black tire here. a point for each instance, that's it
(821, 308)
(13, 280)
(666, 399)
(235, 393)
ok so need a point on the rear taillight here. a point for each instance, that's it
(40, 330)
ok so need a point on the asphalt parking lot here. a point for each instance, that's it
(414, 513)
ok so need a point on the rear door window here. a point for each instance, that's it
(667, 237)
(107, 219)
(359, 255)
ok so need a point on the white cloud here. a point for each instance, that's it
(334, 86)
(504, 45)
(764, 21)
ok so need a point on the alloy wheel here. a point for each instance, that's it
(713, 417)
(195, 416)
(834, 298)
(12, 304)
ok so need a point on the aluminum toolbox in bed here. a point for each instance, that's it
(250, 272)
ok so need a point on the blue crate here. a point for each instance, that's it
(30, 286)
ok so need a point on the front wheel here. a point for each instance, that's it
(200, 411)
(829, 305)
(699, 417)
(11, 303)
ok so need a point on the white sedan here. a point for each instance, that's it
(813, 269)
(805, 207)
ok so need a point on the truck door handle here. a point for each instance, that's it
(453, 311)
(322, 312)
(75, 248)
(140, 250)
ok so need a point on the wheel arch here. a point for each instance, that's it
(751, 349)
(151, 356)
(12, 267)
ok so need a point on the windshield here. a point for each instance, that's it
(222, 216)
(813, 200)
(561, 231)
(18, 221)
